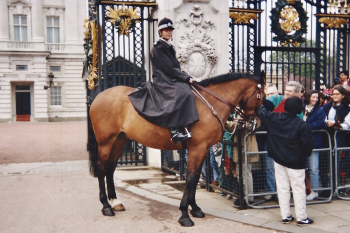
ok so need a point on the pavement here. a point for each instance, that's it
(148, 184)
(330, 217)
(153, 184)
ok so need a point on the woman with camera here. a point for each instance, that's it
(338, 117)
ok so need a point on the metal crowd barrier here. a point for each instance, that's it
(260, 183)
(342, 161)
(231, 184)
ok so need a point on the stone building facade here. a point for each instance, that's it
(36, 37)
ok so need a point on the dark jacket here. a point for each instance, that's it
(316, 120)
(328, 106)
(290, 139)
(168, 100)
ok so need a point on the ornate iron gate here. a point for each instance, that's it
(118, 37)
(290, 40)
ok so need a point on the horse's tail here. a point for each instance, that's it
(93, 151)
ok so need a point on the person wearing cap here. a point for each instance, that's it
(168, 100)
(276, 103)
(290, 143)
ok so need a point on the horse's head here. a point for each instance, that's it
(251, 100)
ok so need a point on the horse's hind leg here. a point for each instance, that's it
(104, 152)
(194, 166)
(115, 154)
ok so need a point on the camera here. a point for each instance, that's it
(325, 97)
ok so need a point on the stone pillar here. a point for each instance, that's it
(200, 36)
(4, 25)
(38, 21)
(201, 40)
(71, 23)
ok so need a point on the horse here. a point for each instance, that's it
(115, 121)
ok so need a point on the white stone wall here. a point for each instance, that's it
(217, 13)
(39, 56)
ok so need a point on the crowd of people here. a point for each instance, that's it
(288, 159)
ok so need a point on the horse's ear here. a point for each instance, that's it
(262, 78)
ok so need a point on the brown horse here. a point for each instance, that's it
(115, 121)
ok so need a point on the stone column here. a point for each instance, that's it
(201, 35)
(38, 21)
(71, 23)
(4, 25)
(201, 38)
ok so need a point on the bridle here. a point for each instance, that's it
(248, 118)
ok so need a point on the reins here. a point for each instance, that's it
(233, 108)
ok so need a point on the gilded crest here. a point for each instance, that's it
(289, 22)
(124, 19)
(289, 19)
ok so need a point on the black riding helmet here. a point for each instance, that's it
(165, 23)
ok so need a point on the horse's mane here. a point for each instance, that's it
(226, 78)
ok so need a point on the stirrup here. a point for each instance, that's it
(188, 133)
(177, 136)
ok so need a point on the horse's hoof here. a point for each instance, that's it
(197, 213)
(186, 222)
(119, 207)
(108, 212)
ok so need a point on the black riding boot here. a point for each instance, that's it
(177, 136)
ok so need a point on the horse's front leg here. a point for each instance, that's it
(194, 165)
(117, 150)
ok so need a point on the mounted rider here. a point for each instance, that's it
(168, 100)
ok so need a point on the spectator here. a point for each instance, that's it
(217, 152)
(338, 117)
(343, 75)
(214, 151)
(314, 117)
(270, 91)
(276, 103)
(251, 146)
(213, 165)
(346, 87)
(302, 93)
(290, 142)
(228, 165)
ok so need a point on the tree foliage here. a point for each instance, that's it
(302, 64)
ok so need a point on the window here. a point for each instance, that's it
(53, 29)
(55, 68)
(55, 96)
(20, 27)
(21, 67)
